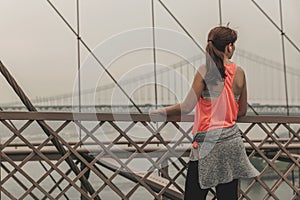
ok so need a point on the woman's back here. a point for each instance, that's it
(212, 91)
(218, 105)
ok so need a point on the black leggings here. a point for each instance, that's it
(227, 191)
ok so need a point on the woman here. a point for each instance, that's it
(219, 93)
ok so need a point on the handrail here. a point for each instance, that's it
(59, 116)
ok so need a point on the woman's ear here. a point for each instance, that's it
(229, 48)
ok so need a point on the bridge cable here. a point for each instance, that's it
(284, 59)
(78, 61)
(220, 12)
(154, 51)
(154, 55)
(279, 29)
(183, 28)
(285, 75)
(94, 56)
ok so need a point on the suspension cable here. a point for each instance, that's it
(285, 75)
(284, 59)
(279, 29)
(94, 56)
(78, 61)
(178, 22)
(220, 13)
(154, 51)
(78, 56)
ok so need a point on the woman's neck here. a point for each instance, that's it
(226, 60)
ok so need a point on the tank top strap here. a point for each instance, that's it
(230, 72)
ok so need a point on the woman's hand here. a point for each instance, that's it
(158, 115)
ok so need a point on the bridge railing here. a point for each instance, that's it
(126, 156)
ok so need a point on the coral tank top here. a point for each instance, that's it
(221, 112)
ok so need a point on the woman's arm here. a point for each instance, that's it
(243, 105)
(190, 100)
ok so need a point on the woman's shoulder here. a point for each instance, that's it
(240, 71)
(201, 70)
(239, 77)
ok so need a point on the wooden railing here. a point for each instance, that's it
(121, 156)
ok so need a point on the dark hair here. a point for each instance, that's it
(218, 38)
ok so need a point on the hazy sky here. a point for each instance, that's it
(41, 52)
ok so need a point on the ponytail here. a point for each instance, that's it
(214, 64)
(218, 38)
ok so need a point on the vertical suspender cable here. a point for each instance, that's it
(284, 60)
(220, 12)
(285, 75)
(154, 55)
(154, 52)
(78, 61)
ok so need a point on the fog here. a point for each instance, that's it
(41, 51)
